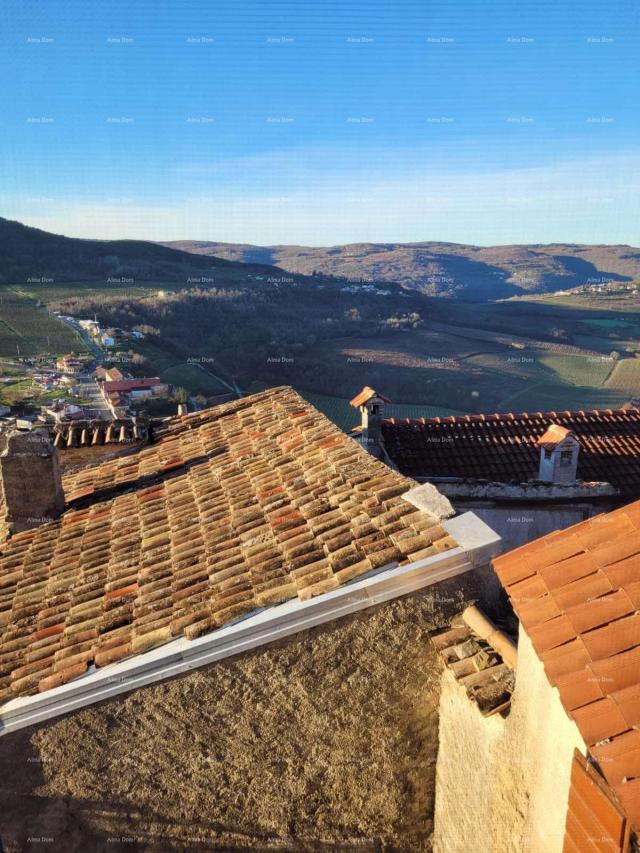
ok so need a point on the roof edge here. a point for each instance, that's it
(478, 544)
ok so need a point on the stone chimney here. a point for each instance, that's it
(559, 449)
(371, 407)
(30, 482)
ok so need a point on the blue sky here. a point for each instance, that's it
(322, 122)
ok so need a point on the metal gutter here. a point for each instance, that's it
(477, 545)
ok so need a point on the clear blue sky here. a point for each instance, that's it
(322, 122)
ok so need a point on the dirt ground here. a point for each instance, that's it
(325, 741)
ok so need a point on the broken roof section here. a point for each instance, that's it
(482, 659)
(503, 448)
(236, 508)
(577, 595)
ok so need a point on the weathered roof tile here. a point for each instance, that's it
(233, 508)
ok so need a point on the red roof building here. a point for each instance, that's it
(505, 448)
(125, 386)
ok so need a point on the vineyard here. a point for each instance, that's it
(26, 329)
(626, 377)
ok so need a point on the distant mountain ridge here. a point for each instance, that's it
(31, 254)
(445, 269)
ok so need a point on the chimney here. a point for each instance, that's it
(30, 482)
(371, 407)
(559, 449)
(182, 409)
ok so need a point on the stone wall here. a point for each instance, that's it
(324, 741)
(504, 782)
(30, 481)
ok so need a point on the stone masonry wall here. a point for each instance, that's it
(504, 783)
(324, 741)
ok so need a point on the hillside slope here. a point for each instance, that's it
(445, 269)
(31, 254)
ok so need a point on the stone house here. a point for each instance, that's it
(525, 474)
(220, 640)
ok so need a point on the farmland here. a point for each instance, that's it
(430, 356)
(27, 329)
(626, 377)
(342, 413)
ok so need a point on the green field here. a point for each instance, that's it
(180, 373)
(23, 392)
(541, 366)
(342, 413)
(47, 293)
(626, 377)
(193, 379)
(27, 329)
(523, 354)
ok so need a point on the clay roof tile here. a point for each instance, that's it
(240, 506)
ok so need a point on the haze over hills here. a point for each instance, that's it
(30, 254)
(445, 269)
(437, 269)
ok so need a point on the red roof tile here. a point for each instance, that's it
(124, 385)
(504, 448)
(233, 508)
(580, 607)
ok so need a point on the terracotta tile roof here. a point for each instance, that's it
(554, 436)
(238, 507)
(503, 448)
(124, 385)
(366, 394)
(577, 595)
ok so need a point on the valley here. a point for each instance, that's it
(429, 356)
(216, 327)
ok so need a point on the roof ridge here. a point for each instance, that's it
(514, 416)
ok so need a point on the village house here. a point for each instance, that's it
(120, 393)
(135, 388)
(558, 768)
(110, 374)
(61, 410)
(71, 364)
(197, 638)
(524, 474)
(245, 627)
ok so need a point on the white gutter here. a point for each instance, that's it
(477, 545)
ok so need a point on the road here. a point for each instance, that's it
(87, 339)
(90, 391)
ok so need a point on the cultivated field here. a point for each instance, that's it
(27, 329)
(429, 356)
(626, 377)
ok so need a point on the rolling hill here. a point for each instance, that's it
(29, 254)
(445, 269)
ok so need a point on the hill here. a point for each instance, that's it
(445, 269)
(31, 255)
